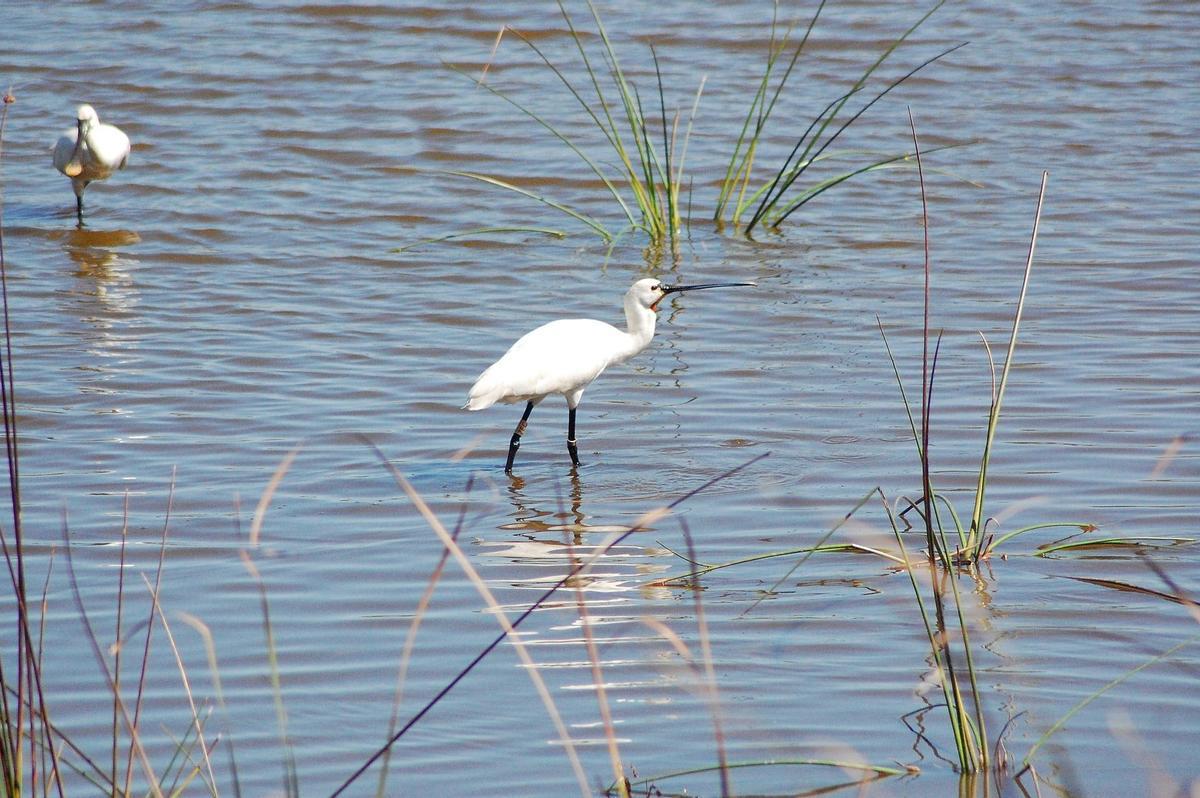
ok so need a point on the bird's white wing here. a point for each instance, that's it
(63, 148)
(109, 146)
(560, 357)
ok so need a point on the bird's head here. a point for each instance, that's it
(649, 292)
(86, 113)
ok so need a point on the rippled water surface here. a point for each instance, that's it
(236, 293)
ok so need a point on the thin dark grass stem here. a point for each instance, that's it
(29, 682)
(926, 377)
(807, 160)
(97, 774)
(145, 662)
(767, 199)
(116, 725)
(44, 731)
(94, 642)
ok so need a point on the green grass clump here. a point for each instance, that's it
(644, 152)
(774, 200)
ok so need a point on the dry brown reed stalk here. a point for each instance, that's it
(158, 571)
(410, 638)
(710, 674)
(492, 55)
(291, 782)
(116, 648)
(264, 500)
(186, 682)
(1177, 592)
(210, 650)
(642, 523)
(1169, 454)
(497, 610)
(593, 654)
(291, 779)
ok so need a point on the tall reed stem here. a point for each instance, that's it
(976, 532)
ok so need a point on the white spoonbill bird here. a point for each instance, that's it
(565, 356)
(89, 151)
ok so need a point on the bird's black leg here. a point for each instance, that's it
(571, 436)
(79, 208)
(515, 443)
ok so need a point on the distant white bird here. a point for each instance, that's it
(565, 356)
(89, 151)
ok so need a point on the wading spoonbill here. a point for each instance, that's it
(565, 356)
(89, 151)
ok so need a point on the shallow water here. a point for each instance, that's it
(235, 293)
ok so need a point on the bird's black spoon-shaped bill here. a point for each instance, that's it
(672, 289)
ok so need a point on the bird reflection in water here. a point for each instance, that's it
(534, 521)
(95, 252)
(565, 539)
(106, 294)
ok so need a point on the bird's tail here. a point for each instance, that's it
(483, 395)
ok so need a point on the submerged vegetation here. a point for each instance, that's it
(649, 146)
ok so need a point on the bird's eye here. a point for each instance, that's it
(656, 287)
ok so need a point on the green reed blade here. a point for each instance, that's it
(608, 130)
(558, 206)
(1061, 722)
(481, 231)
(1126, 587)
(672, 207)
(881, 770)
(936, 648)
(820, 548)
(739, 171)
(1145, 541)
(768, 189)
(994, 413)
(595, 168)
(1085, 527)
(893, 162)
(787, 183)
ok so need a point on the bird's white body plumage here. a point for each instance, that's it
(103, 150)
(565, 356)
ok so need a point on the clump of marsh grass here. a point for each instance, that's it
(646, 146)
(777, 198)
(642, 165)
(942, 616)
(972, 542)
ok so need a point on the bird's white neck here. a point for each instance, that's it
(639, 323)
